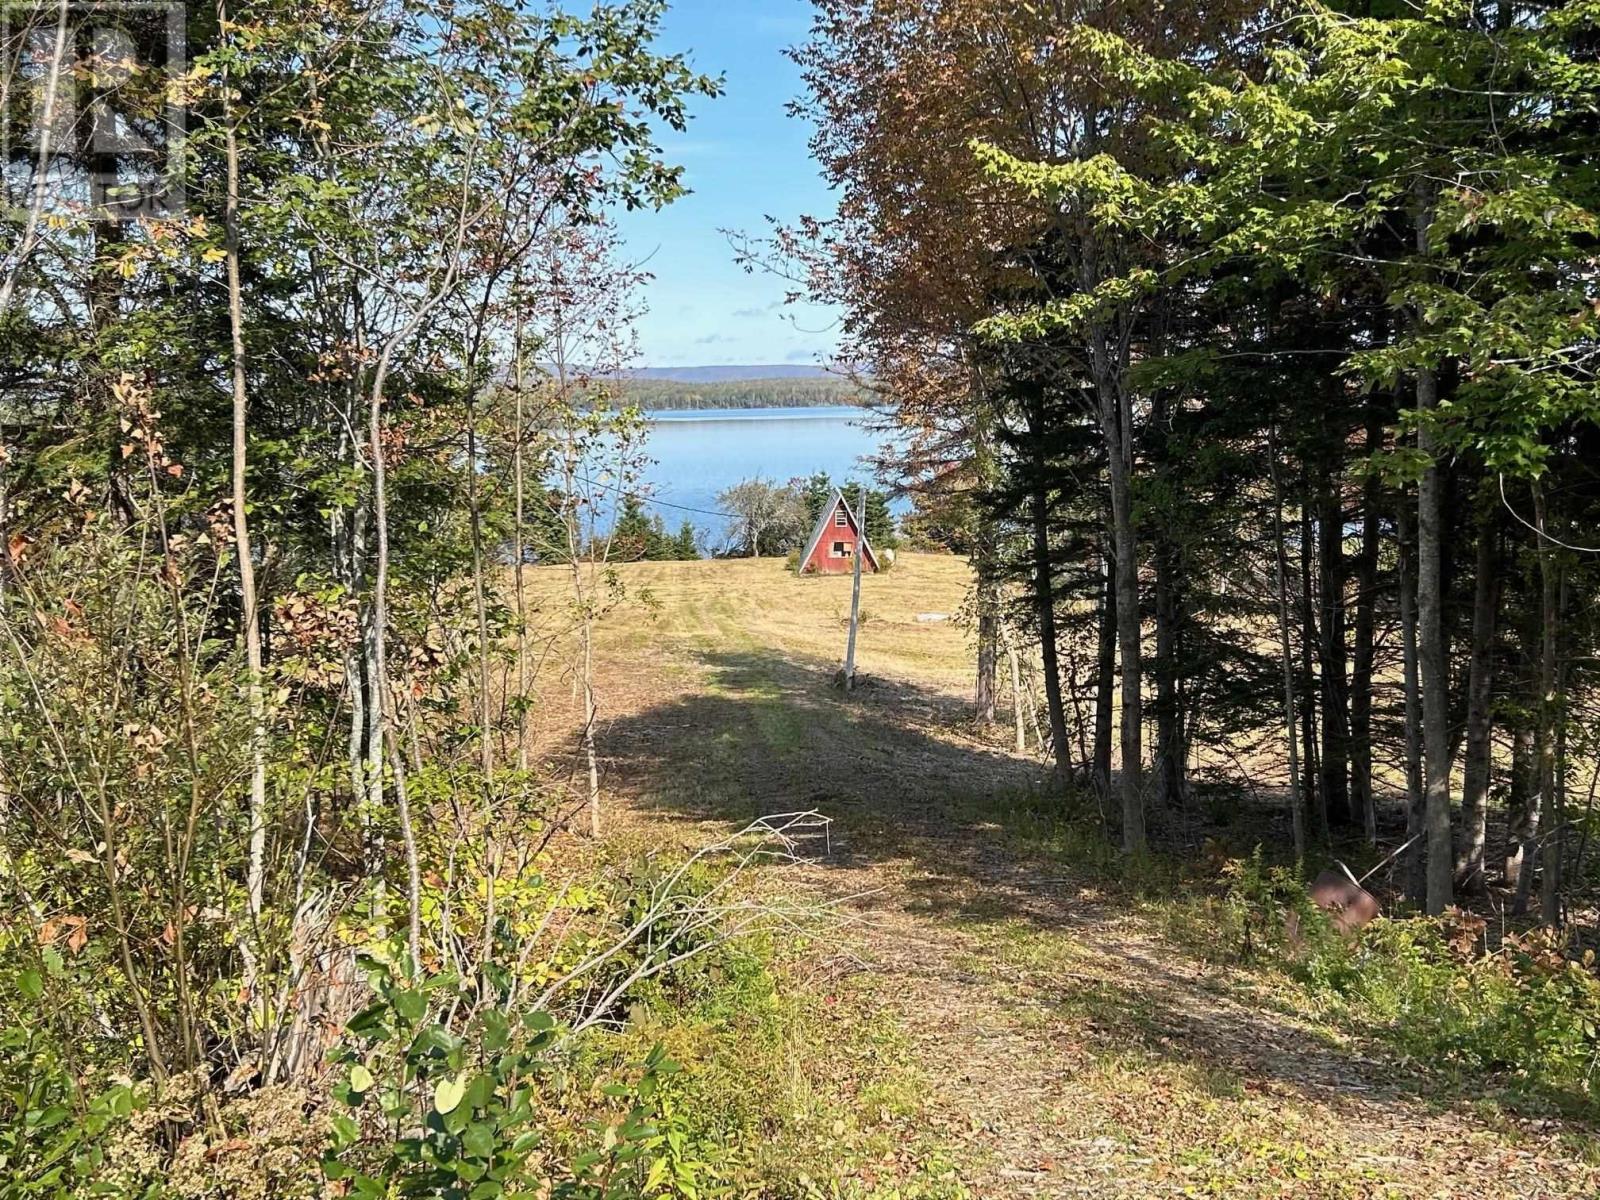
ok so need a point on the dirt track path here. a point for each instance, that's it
(1067, 1049)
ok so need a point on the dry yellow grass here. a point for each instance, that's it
(759, 601)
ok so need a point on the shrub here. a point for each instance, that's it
(1524, 1014)
(429, 1112)
(52, 1134)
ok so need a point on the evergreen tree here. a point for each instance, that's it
(634, 535)
(685, 547)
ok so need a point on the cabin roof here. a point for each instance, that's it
(825, 521)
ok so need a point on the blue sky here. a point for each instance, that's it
(745, 159)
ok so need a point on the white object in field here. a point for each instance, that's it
(927, 618)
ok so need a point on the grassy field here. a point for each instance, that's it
(999, 1007)
(760, 604)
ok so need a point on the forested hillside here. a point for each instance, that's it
(668, 395)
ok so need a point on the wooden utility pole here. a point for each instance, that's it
(855, 585)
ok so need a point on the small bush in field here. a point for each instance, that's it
(477, 1115)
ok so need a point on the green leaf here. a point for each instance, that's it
(496, 1030)
(658, 1172)
(31, 984)
(347, 1130)
(360, 1078)
(368, 1020)
(447, 1095)
(410, 1005)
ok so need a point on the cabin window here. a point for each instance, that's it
(839, 519)
(840, 550)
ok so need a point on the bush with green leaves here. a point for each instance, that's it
(52, 1130)
(1525, 1014)
(482, 1115)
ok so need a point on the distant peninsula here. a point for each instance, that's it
(760, 386)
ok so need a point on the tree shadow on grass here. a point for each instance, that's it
(892, 764)
(908, 785)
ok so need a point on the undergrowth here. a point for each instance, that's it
(1518, 1022)
(724, 1076)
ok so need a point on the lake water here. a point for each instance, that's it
(698, 453)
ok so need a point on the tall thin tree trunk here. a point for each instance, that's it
(381, 697)
(1286, 657)
(591, 712)
(1117, 426)
(1432, 652)
(519, 549)
(1019, 703)
(1478, 754)
(1522, 829)
(1415, 876)
(249, 605)
(988, 638)
(1105, 687)
(1335, 772)
(348, 542)
(582, 592)
(1549, 714)
(1362, 798)
(1045, 614)
(1170, 752)
(985, 685)
(1309, 636)
(480, 600)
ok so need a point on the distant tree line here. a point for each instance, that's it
(671, 395)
